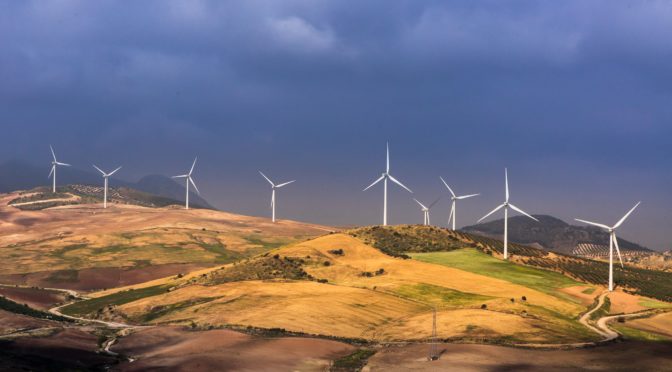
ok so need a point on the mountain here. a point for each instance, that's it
(549, 233)
(18, 175)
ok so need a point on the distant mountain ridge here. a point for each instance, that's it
(549, 233)
(17, 175)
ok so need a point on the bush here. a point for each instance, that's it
(337, 252)
(524, 298)
(322, 281)
(327, 263)
(484, 306)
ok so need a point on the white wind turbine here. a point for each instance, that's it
(187, 180)
(506, 205)
(273, 187)
(613, 242)
(106, 176)
(54, 164)
(425, 210)
(453, 210)
(384, 177)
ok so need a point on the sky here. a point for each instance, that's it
(574, 97)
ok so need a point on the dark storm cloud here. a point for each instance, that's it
(574, 96)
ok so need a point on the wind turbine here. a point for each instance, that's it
(106, 176)
(384, 177)
(273, 187)
(187, 180)
(425, 210)
(55, 163)
(453, 210)
(613, 242)
(506, 205)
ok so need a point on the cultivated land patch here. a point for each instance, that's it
(67, 246)
(336, 285)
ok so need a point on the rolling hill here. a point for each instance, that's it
(549, 233)
(382, 284)
(82, 246)
(17, 175)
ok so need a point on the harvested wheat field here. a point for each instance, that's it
(660, 324)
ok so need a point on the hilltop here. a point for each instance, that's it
(74, 243)
(549, 233)
(17, 175)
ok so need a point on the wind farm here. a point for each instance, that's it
(344, 208)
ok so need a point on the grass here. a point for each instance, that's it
(428, 293)
(89, 306)
(589, 291)
(353, 362)
(472, 260)
(602, 311)
(637, 334)
(653, 304)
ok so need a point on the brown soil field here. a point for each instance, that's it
(36, 298)
(64, 349)
(179, 349)
(11, 322)
(623, 356)
(99, 278)
(622, 302)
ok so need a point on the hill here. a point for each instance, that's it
(549, 233)
(17, 175)
(82, 246)
(362, 284)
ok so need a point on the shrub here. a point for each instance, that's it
(484, 306)
(337, 252)
(322, 281)
(524, 298)
(327, 263)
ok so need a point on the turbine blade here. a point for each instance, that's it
(52, 153)
(449, 189)
(114, 171)
(193, 165)
(466, 196)
(506, 182)
(493, 211)
(435, 201)
(522, 212)
(52, 171)
(193, 184)
(387, 163)
(374, 182)
(284, 184)
(626, 216)
(594, 224)
(399, 183)
(180, 176)
(617, 249)
(65, 164)
(416, 200)
(269, 181)
(99, 170)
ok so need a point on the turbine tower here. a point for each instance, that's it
(54, 164)
(187, 180)
(106, 176)
(384, 177)
(506, 205)
(453, 210)
(273, 187)
(425, 210)
(613, 242)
